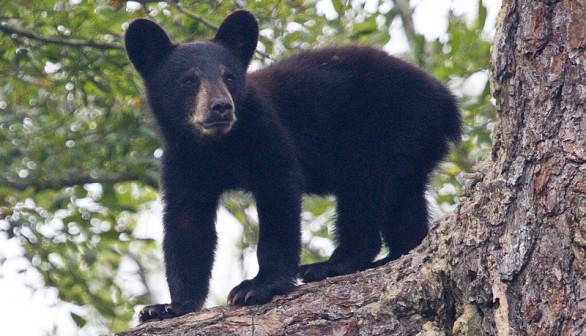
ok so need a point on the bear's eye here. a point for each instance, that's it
(229, 78)
(189, 82)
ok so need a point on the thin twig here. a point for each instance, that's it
(7, 29)
(407, 18)
(77, 179)
(196, 17)
(206, 23)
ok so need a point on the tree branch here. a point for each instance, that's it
(176, 4)
(407, 19)
(76, 179)
(8, 30)
(403, 297)
(76, 43)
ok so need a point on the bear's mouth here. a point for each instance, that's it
(216, 127)
(217, 124)
(213, 125)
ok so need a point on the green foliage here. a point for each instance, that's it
(78, 149)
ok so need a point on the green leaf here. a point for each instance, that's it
(481, 15)
(339, 6)
(79, 321)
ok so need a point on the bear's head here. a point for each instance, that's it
(194, 87)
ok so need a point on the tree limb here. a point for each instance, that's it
(176, 4)
(403, 297)
(407, 19)
(76, 179)
(8, 30)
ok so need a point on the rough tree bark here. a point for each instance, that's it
(511, 260)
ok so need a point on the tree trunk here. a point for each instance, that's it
(511, 260)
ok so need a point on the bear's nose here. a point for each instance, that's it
(221, 106)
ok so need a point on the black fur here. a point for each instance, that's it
(349, 121)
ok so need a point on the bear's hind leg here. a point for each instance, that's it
(407, 223)
(358, 239)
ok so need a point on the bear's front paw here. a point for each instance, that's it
(164, 311)
(256, 291)
(327, 269)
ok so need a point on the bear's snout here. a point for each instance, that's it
(221, 106)
(214, 112)
(220, 118)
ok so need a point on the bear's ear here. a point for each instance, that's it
(239, 33)
(146, 45)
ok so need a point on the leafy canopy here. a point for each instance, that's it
(79, 151)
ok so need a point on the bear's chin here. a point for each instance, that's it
(216, 129)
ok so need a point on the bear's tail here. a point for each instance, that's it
(452, 120)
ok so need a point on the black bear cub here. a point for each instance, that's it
(349, 121)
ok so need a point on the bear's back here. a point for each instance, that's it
(355, 87)
(347, 105)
